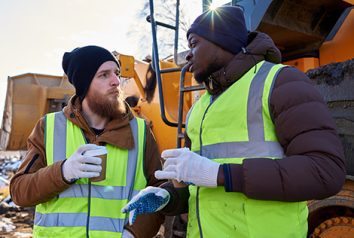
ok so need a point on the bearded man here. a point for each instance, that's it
(59, 172)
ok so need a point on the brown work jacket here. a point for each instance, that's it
(36, 183)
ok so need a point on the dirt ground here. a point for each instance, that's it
(16, 222)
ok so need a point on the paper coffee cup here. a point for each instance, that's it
(100, 152)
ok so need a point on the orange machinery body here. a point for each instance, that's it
(150, 109)
(339, 49)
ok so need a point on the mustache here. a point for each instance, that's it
(114, 90)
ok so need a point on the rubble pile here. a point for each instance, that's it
(335, 82)
(14, 221)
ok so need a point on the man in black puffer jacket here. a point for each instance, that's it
(261, 139)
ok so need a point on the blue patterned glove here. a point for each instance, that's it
(148, 200)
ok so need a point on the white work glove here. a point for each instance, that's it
(186, 166)
(127, 234)
(148, 200)
(80, 166)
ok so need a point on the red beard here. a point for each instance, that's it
(106, 105)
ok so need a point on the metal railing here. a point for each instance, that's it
(156, 66)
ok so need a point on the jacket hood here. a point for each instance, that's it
(117, 132)
(260, 47)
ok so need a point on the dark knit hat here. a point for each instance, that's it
(225, 26)
(81, 65)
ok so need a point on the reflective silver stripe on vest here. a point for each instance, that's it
(59, 140)
(81, 190)
(256, 146)
(78, 219)
(132, 159)
(243, 150)
(254, 104)
(106, 192)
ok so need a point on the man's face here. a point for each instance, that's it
(104, 96)
(203, 57)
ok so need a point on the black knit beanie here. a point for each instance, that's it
(225, 26)
(81, 65)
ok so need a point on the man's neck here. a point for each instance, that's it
(92, 118)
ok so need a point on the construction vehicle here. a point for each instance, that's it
(314, 36)
(28, 98)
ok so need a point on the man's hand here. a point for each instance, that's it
(189, 167)
(80, 166)
(148, 200)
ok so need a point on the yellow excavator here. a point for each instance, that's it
(314, 36)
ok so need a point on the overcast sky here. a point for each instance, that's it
(35, 33)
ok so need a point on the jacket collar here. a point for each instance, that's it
(117, 131)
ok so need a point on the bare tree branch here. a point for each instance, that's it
(165, 11)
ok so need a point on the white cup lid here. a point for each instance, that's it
(100, 150)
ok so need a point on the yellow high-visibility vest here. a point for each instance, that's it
(235, 126)
(90, 209)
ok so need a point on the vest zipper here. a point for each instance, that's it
(88, 210)
(201, 153)
(88, 195)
